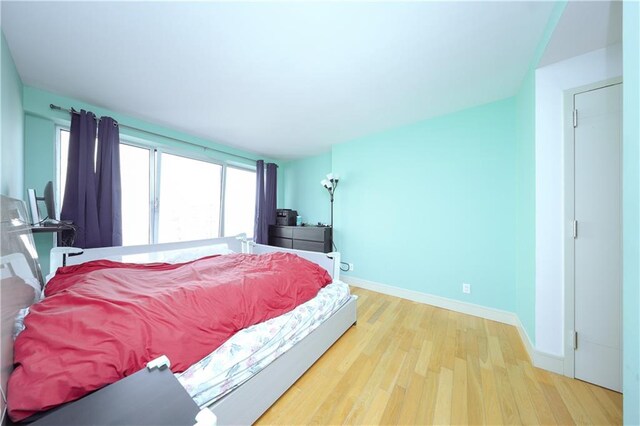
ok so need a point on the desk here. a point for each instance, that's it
(50, 228)
(65, 230)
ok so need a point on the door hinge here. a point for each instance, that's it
(575, 229)
(575, 340)
(575, 118)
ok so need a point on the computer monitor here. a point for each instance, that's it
(33, 206)
(49, 202)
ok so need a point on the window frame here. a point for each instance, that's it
(237, 166)
(155, 164)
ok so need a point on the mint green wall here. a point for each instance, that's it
(526, 206)
(12, 123)
(40, 137)
(39, 167)
(429, 206)
(302, 189)
(631, 211)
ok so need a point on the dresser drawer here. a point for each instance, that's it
(311, 233)
(281, 242)
(309, 245)
(281, 231)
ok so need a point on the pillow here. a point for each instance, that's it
(176, 256)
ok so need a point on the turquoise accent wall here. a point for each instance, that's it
(40, 137)
(39, 167)
(526, 206)
(302, 189)
(429, 206)
(12, 126)
(631, 212)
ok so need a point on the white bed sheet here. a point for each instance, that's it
(252, 349)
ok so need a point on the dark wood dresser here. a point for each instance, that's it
(310, 238)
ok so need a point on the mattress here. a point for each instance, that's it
(252, 349)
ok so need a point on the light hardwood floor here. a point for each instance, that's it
(409, 363)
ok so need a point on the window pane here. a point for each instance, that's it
(189, 199)
(240, 202)
(64, 157)
(134, 173)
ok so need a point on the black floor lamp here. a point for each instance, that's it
(331, 183)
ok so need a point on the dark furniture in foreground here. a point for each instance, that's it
(145, 398)
(310, 238)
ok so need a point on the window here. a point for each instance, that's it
(168, 197)
(136, 186)
(240, 202)
(189, 199)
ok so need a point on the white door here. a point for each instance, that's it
(598, 244)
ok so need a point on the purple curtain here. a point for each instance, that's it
(79, 204)
(108, 186)
(261, 228)
(266, 198)
(271, 193)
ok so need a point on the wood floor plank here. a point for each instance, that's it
(442, 414)
(590, 403)
(538, 400)
(525, 406)
(349, 393)
(426, 410)
(556, 404)
(424, 357)
(408, 363)
(411, 360)
(392, 410)
(412, 400)
(376, 409)
(567, 394)
(475, 402)
(558, 408)
(459, 414)
(611, 409)
(508, 406)
(490, 396)
(378, 312)
(495, 352)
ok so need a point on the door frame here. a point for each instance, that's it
(569, 216)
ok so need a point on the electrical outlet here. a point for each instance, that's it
(350, 267)
(466, 288)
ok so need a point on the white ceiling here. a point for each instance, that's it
(584, 27)
(281, 79)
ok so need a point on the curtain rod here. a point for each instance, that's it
(73, 111)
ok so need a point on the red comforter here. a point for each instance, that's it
(103, 320)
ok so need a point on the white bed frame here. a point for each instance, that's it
(246, 403)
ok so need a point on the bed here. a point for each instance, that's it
(248, 400)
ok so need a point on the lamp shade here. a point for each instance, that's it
(333, 176)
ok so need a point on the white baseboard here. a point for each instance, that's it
(544, 360)
(539, 359)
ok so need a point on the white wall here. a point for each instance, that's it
(551, 82)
